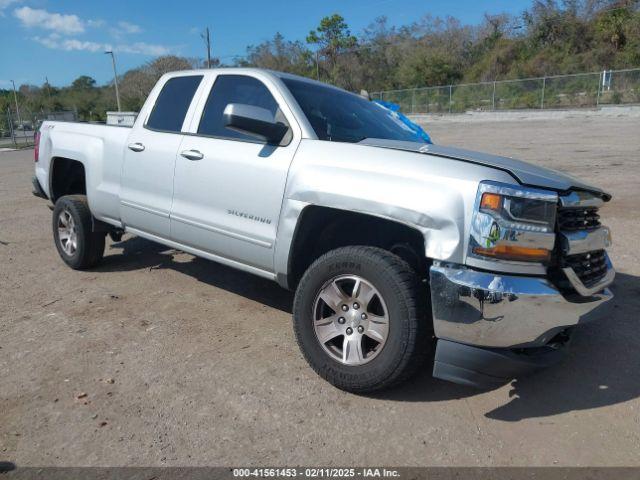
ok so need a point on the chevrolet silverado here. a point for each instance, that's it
(399, 250)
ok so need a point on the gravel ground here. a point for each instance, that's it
(160, 358)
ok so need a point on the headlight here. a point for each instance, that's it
(513, 223)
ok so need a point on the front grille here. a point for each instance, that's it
(578, 211)
(572, 219)
(589, 267)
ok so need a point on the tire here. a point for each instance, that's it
(397, 292)
(72, 219)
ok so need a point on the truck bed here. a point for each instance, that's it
(99, 147)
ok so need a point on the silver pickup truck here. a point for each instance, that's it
(388, 240)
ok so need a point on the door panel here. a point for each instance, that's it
(228, 186)
(228, 203)
(147, 181)
(150, 157)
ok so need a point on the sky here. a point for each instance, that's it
(62, 40)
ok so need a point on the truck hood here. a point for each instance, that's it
(523, 172)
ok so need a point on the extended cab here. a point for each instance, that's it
(387, 239)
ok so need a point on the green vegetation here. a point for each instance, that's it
(88, 100)
(552, 37)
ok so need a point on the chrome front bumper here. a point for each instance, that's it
(506, 311)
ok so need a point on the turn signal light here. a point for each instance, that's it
(491, 201)
(510, 252)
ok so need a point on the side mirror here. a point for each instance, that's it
(255, 121)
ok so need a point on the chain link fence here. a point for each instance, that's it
(17, 128)
(582, 90)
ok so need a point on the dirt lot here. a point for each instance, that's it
(186, 362)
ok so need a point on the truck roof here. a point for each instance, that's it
(244, 70)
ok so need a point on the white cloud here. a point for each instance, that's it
(65, 27)
(127, 27)
(54, 42)
(4, 4)
(122, 29)
(70, 44)
(95, 23)
(62, 23)
(143, 48)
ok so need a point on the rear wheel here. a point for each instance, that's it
(78, 245)
(359, 319)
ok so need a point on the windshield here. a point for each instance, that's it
(340, 116)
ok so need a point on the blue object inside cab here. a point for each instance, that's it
(395, 110)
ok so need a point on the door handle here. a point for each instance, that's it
(136, 147)
(192, 154)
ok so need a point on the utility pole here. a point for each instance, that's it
(15, 97)
(115, 76)
(207, 42)
(46, 79)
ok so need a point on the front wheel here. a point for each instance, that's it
(360, 320)
(78, 245)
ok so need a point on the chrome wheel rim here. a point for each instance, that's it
(67, 233)
(350, 320)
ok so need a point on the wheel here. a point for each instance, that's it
(77, 244)
(359, 319)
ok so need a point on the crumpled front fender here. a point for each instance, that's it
(432, 195)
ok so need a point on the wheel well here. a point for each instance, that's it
(321, 229)
(67, 178)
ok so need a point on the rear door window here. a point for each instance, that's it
(172, 103)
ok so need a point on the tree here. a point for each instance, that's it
(332, 38)
(280, 54)
(611, 27)
(168, 63)
(136, 84)
(83, 82)
(552, 37)
(332, 35)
